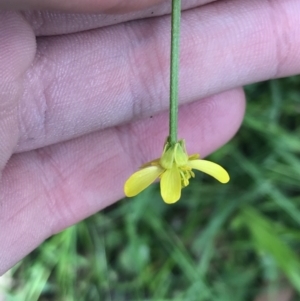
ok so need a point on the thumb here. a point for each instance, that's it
(16, 54)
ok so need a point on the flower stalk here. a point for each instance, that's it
(174, 71)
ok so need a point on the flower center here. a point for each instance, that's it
(186, 173)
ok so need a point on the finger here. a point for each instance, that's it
(16, 54)
(77, 86)
(46, 190)
(89, 6)
(79, 6)
(46, 23)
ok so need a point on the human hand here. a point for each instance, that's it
(77, 92)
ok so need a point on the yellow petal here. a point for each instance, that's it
(151, 163)
(141, 179)
(211, 168)
(194, 157)
(170, 185)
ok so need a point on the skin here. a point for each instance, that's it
(77, 92)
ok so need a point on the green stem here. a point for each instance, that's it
(175, 35)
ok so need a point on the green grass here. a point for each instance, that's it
(219, 243)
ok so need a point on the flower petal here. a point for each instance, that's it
(141, 179)
(211, 168)
(151, 163)
(194, 156)
(170, 185)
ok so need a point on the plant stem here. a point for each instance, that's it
(175, 35)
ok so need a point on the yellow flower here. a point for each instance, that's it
(174, 169)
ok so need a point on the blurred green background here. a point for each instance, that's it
(220, 242)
